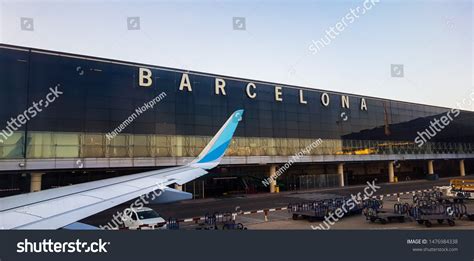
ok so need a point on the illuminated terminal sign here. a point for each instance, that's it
(145, 80)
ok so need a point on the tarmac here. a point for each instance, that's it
(251, 208)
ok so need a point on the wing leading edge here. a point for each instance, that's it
(57, 208)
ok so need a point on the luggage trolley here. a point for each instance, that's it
(172, 224)
(427, 213)
(309, 210)
(317, 210)
(209, 222)
(214, 221)
(460, 210)
(373, 211)
(228, 222)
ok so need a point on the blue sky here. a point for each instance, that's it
(432, 39)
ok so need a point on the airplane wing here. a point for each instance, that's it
(59, 207)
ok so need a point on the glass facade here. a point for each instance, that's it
(99, 95)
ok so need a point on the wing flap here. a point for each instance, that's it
(185, 177)
(7, 219)
(171, 195)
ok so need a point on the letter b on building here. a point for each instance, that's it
(144, 77)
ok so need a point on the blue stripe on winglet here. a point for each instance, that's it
(220, 145)
(215, 153)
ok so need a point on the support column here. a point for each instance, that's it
(430, 167)
(340, 172)
(272, 176)
(391, 172)
(35, 183)
(203, 188)
(178, 187)
(462, 170)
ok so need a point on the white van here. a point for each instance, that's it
(142, 219)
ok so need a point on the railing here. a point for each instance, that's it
(127, 146)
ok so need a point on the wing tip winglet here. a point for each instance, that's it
(212, 154)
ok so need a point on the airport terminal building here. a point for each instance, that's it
(68, 118)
